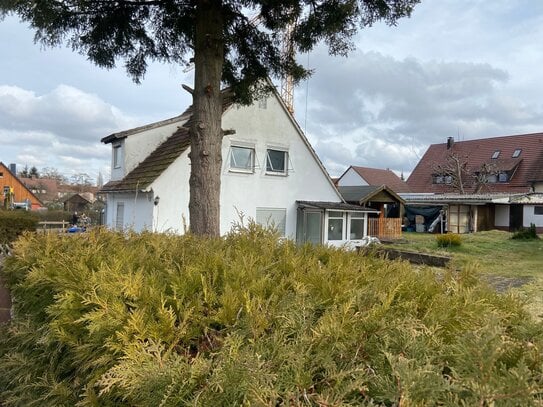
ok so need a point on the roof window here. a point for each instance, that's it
(496, 154)
(517, 152)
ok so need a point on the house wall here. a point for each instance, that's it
(351, 179)
(242, 193)
(172, 187)
(501, 218)
(138, 210)
(270, 127)
(529, 217)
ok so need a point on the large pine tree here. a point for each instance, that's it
(226, 47)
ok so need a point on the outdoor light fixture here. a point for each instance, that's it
(157, 200)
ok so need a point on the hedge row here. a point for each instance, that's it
(107, 319)
(14, 223)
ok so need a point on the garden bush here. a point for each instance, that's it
(14, 223)
(526, 233)
(448, 240)
(112, 319)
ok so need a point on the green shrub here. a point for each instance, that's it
(526, 233)
(14, 223)
(448, 240)
(108, 319)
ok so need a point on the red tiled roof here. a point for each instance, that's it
(527, 167)
(378, 177)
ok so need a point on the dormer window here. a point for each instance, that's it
(516, 153)
(503, 177)
(438, 179)
(117, 156)
(496, 154)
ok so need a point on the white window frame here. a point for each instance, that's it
(343, 225)
(117, 155)
(273, 171)
(245, 170)
(358, 216)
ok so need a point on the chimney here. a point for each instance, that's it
(450, 142)
(13, 168)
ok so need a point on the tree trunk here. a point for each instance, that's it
(205, 131)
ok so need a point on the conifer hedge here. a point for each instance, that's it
(14, 223)
(109, 319)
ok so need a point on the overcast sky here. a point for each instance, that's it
(462, 68)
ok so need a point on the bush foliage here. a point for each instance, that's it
(14, 223)
(448, 240)
(526, 233)
(107, 319)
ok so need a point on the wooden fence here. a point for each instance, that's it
(53, 227)
(385, 228)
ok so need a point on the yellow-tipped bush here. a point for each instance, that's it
(449, 240)
(108, 319)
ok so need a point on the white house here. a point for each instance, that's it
(270, 173)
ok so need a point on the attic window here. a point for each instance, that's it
(276, 162)
(242, 159)
(1, 175)
(496, 154)
(516, 153)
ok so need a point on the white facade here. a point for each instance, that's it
(351, 179)
(264, 133)
(532, 214)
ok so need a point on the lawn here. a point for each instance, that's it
(501, 260)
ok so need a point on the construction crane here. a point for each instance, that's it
(287, 82)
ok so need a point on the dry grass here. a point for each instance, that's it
(502, 260)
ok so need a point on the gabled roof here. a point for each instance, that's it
(365, 193)
(378, 177)
(526, 167)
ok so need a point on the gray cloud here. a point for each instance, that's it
(388, 110)
(61, 128)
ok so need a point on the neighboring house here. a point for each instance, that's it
(378, 189)
(46, 189)
(78, 202)
(270, 173)
(14, 193)
(483, 184)
(364, 176)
